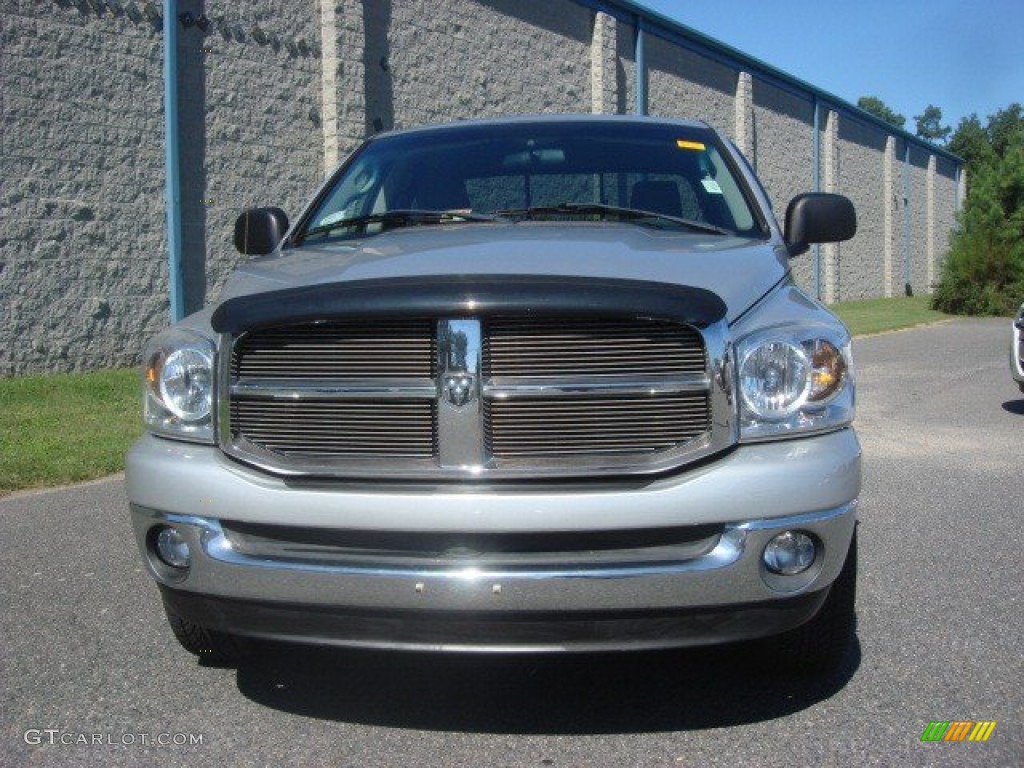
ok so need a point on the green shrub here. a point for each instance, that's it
(984, 272)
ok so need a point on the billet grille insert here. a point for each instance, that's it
(338, 350)
(593, 425)
(559, 389)
(593, 349)
(337, 428)
(560, 347)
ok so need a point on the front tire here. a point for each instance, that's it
(821, 646)
(211, 646)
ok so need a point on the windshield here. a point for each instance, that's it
(537, 170)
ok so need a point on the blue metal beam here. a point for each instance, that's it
(907, 222)
(175, 278)
(957, 181)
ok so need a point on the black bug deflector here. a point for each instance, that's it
(479, 296)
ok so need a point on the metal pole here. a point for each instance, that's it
(957, 181)
(907, 188)
(641, 69)
(171, 162)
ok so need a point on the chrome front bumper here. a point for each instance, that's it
(732, 572)
(565, 601)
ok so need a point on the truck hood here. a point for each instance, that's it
(739, 270)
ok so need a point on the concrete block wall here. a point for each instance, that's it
(948, 196)
(862, 156)
(81, 187)
(604, 69)
(890, 200)
(83, 264)
(828, 269)
(682, 83)
(453, 59)
(250, 102)
(919, 270)
(782, 154)
(782, 146)
(626, 68)
(274, 93)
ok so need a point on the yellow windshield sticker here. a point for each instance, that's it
(694, 145)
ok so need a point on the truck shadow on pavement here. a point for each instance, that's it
(567, 694)
(1014, 406)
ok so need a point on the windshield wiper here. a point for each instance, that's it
(409, 217)
(609, 211)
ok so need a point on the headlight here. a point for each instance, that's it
(774, 379)
(792, 381)
(178, 381)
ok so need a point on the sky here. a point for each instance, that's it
(963, 56)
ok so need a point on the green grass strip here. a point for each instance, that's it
(66, 428)
(878, 315)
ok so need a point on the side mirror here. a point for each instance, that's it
(817, 217)
(258, 231)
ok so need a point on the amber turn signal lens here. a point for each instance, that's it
(828, 369)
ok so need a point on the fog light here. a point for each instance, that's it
(172, 548)
(789, 553)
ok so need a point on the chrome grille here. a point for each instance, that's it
(593, 425)
(337, 429)
(335, 390)
(515, 397)
(337, 350)
(639, 354)
(560, 347)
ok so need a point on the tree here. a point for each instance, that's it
(984, 273)
(1005, 127)
(878, 108)
(930, 127)
(981, 145)
(971, 142)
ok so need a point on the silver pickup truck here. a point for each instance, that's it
(524, 385)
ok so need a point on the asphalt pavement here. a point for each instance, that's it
(90, 674)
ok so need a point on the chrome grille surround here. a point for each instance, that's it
(492, 427)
